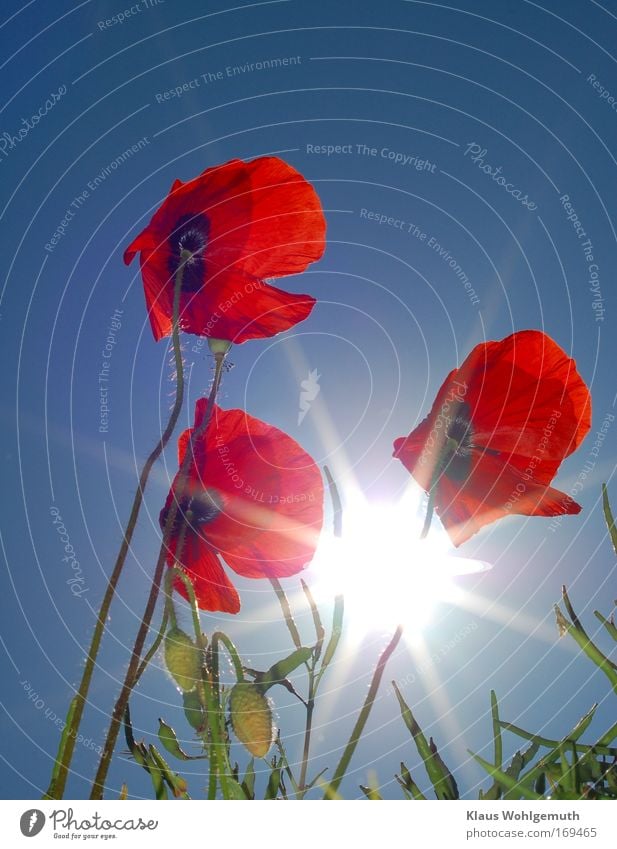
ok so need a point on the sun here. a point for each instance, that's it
(386, 573)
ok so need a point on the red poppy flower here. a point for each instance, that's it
(242, 222)
(252, 496)
(499, 428)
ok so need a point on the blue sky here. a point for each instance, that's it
(410, 99)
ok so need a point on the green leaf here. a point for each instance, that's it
(609, 624)
(155, 772)
(568, 771)
(283, 668)
(514, 769)
(248, 782)
(137, 750)
(312, 783)
(410, 788)
(540, 784)
(335, 635)
(234, 790)
(64, 739)
(608, 517)
(498, 745)
(329, 791)
(577, 632)
(579, 729)
(168, 738)
(440, 776)
(320, 631)
(337, 509)
(371, 793)
(452, 789)
(508, 783)
(273, 783)
(177, 784)
(608, 736)
(611, 779)
(518, 764)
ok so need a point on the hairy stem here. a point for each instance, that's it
(118, 711)
(65, 754)
(308, 730)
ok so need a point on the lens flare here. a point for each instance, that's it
(387, 574)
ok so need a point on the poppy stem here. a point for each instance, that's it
(67, 744)
(313, 678)
(308, 730)
(220, 637)
(129, 680)
(210, 691)
(350, 748)
(288, 615)
(430, 508)
(157, 641)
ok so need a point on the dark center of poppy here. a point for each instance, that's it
(459, 443)
(190, 235)
(194, 511)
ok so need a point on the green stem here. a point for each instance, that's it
(291, 625)
(308, 730)
(118, 711)
(65, 752)
(285, 761)
(313, 679)
(364, 714)
(220, 637)
(178, 573)
(154, 647)
(209, 690)
(219, 761)
(430, 508)
(498, 742)
(212, 776)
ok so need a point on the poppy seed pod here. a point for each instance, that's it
(183, 659)
(251, 718)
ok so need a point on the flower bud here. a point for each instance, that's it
(251, 718)
(183, 659)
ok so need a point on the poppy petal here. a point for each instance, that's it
(246, 308)
(497, 433)
(288, 227)
(492, 491)
(270, 489)
(419, 451)
(242, 221)
(213, 589)
(521, 390)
